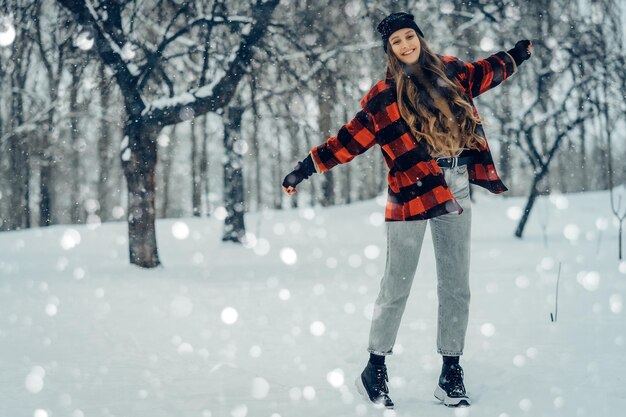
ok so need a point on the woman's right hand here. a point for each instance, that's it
(301, 172)
(292, 179)
(290, 190)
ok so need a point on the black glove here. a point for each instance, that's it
(302, 171)
(520, 51)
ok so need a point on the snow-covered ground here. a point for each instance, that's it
(279, 328)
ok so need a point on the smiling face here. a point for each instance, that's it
(405, 45)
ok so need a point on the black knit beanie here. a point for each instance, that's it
(396, 21)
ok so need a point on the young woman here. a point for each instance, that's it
(423, 118)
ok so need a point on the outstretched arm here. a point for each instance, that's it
(354, 138)
(485, 74)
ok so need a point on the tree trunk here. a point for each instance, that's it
(139, 156)
(167, 159)
(582, 173)
(196, 186)
(47, 164)
(234, 228)
(534, 192)
(204, 166)
(324, 121)
(278, 172)
(75, 160)
(19, 158)
(104, 150)
(255, 145)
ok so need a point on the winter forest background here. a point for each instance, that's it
(117, 113)
(114, 110)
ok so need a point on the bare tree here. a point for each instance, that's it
(114, 41)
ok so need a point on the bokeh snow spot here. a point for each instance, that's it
(319, 289)
(590, 280)
(616, 303)
(377, 219)
(279, 229)
(70, 239)
(220, 213)
(558, 402)
(307, 213)
(446, 7)
(308, 393)
(525, 404)
(260, 388)
(352, 9)
(355, 260)
(40, 413)
(371, 251)
(602, 223)
(240, 410)
(79, 273)
(288, 256)
(118, 212)
(488, 329)
(571, 232)
(560, 201)
(365, 84)
(284, 294)
(514, 212)
(229, 315)
(295, 394)
(486, 43)
(180, 230)
(84, 41)
(262, 247)
(547, 263)
(181, 306)
(34, 380)
(331, 262)
(522, 281)
(7, 31)
(317, 328)
(335, 377)
(241, 147)
(622, 267)
(256, 351)
(51, 310)
(519, 360)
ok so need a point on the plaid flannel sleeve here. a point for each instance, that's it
(485, 74)
(354, 138)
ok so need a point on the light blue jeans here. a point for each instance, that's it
(451, 239)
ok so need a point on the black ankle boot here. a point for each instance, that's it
(451, 390)
(372, 384)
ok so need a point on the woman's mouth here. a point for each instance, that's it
(408, 52)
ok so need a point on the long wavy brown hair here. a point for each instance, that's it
(417, 107)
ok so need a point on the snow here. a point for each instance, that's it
(7, 31)
(228, 330)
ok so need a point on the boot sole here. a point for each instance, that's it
(441, 395)
(361, 390)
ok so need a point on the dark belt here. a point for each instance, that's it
(454, 161)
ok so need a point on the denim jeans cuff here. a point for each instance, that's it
(378, 352)
(449, 353)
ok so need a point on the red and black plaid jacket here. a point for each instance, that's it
(416, 186)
